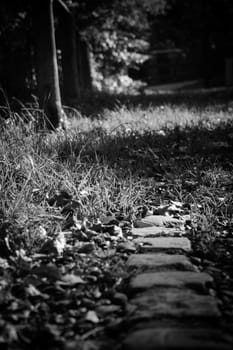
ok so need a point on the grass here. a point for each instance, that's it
(121, 158)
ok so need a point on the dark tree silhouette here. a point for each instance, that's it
(84, 67)
(46, 61)
(70, 73)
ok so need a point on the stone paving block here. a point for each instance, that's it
(160, 261)
(171, 279)
(159, 220)
(157, 231)
(176, 338)
(174, 303)
(164, 243)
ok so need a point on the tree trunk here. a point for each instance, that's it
(205, 43)
(70, 72)
(46, 61)
(84, 67)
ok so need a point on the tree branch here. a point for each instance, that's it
(66, 8)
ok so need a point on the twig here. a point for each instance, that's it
(92, 332)
(51, 216)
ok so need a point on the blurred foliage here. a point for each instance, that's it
(117, 31)
(119, 35)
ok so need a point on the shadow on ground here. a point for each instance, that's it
(198, 98)
(155, 153)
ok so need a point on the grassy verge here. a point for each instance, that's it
(120, 160)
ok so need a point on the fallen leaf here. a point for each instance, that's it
(87, 248)
(60, 198)
(75, 222)
(3, 263)
(32, 291)
(90, 233)
(60, 243)
(178, 204)
(107, 219)
(10, 333)
(54, 245)
(161, 210)
(41, 232)
(48, 247)
(71, 280)
(174, 209)
(50, 271)
(103, 310)
(5, 248)
(91, 316)
(114, 230)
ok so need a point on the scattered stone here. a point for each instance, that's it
(176, 338)
(156, 231)
(168, 279)
(164, 243)
(175, 303)
(160, 261)
(128, 247)
(159, 220)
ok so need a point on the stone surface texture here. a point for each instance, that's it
(175, 303)
(175, 279)
(164, 243)
(159, 220)
(169, 304)
(160, 261)
(156, 231)
(176, 338)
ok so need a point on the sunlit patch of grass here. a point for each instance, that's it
(33, 166)
(151, 118)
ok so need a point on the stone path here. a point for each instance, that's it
(170, 304)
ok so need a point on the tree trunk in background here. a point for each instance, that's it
(205, 43)
(84, 65)
(71, 88)
(46, 61)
